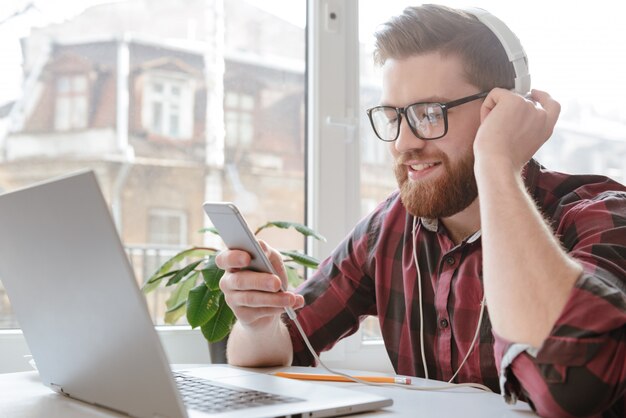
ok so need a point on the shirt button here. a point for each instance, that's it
(450, 260)
(443, 323)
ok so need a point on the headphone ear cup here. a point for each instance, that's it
(511, 44)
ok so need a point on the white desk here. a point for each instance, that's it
(23, 396)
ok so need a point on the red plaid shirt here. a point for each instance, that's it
(581, 368)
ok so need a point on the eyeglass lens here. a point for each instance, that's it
(425, 119)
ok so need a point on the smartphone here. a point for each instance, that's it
(236, 234)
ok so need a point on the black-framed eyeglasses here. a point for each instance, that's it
(426, 120)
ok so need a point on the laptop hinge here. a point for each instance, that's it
(58, 389)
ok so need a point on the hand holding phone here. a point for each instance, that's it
(236, 234)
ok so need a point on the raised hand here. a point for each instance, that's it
(513, 127)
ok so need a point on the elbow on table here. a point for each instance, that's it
(581, 394)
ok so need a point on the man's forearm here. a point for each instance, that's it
(248, 347)
(527, 275)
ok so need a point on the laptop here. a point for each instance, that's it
(86, 322)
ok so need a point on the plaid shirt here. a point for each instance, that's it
(581, 368)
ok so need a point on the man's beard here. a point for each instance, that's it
(445, 196)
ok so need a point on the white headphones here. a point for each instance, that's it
(512, 45)
(517, 56)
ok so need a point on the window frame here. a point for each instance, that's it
(186, 103)
(163, 213)
(333, 150)
(239, 116)
(69, 121)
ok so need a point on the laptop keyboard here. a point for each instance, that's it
(213, 397)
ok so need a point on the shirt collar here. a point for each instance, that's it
(431, 224)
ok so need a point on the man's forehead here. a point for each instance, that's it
(423, 78)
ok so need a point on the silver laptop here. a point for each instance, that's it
(88, 328)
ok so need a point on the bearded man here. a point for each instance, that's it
(484, 266)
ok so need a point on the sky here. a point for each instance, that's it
(577, 50)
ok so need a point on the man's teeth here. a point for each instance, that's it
(420, 167)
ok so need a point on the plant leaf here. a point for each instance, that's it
(154, 282)
(162, 276)
(202, 305)
(173, 316)
(169, 264)
(303, 229)
(220, 325)
(302, 259)
(183, 273)
(293, 278)
(180, 293)
(210, 230)
(212, 274)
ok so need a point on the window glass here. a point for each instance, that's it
(168, 101)
(238, 109)
(150, 107)
(70, 111)
(167, 227)
(576, 53)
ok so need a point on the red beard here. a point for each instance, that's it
(442, 197)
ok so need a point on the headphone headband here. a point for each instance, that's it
(512, 45)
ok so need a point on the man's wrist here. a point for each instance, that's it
(492, 167)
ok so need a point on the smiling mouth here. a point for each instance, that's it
(423, 166)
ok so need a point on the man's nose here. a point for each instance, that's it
(407, 140)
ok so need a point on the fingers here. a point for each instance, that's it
(512, 127)
(230, 260)
(276, 259)
(248, 315)
(551, 106)
(255, 297)
(250, 280)
(249, 296)
(254, 315)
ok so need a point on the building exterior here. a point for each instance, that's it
(168, 116)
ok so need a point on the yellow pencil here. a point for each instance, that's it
(336, 378)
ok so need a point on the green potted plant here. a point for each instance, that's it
(194, 278)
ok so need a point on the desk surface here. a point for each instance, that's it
(22, 395)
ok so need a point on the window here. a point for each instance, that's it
(71, 106)
(168, 106)
(167, 227)
(147, 110)
(239, 118)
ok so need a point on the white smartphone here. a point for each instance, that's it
(236, 234)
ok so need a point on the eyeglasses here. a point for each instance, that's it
(426, 120)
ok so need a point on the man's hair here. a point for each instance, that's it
(433, 28)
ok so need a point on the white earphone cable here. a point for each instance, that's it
(294, 318)
(419, 286)
(403, 386)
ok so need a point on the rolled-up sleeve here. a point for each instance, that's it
(580, 369)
